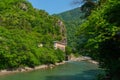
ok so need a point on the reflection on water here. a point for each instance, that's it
(69, 71)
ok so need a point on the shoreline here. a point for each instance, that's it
(28, 69)
(84, 58)
(46, 66)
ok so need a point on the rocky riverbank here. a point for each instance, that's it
(26, 69)
(83, 58)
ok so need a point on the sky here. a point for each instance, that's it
(53, 6)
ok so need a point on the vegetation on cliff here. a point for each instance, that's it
(72, 19)
(27, 35)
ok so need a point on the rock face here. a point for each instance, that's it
(62, 31)
(63, 42)
(23, 6)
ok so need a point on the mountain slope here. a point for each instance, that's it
(74, 14)
(72, 19)
(22, 30)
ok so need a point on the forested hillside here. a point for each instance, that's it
(72, 19)
(27, 35)
(102, 37)
(98, 36)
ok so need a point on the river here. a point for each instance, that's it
(69, 71)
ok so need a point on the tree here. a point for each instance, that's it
(102, 30)
(22, 29)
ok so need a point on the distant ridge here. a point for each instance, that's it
(72, 19)
(70, 15)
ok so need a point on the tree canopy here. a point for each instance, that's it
(22, 29)
(102, 33)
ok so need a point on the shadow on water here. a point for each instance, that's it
(86, 75)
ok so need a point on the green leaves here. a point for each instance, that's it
(98, 26)
(101, 30)
(22, 29)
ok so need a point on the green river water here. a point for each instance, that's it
(70, 71)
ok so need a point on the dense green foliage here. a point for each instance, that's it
(102, 37)
(72, 20)
(23, 30)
